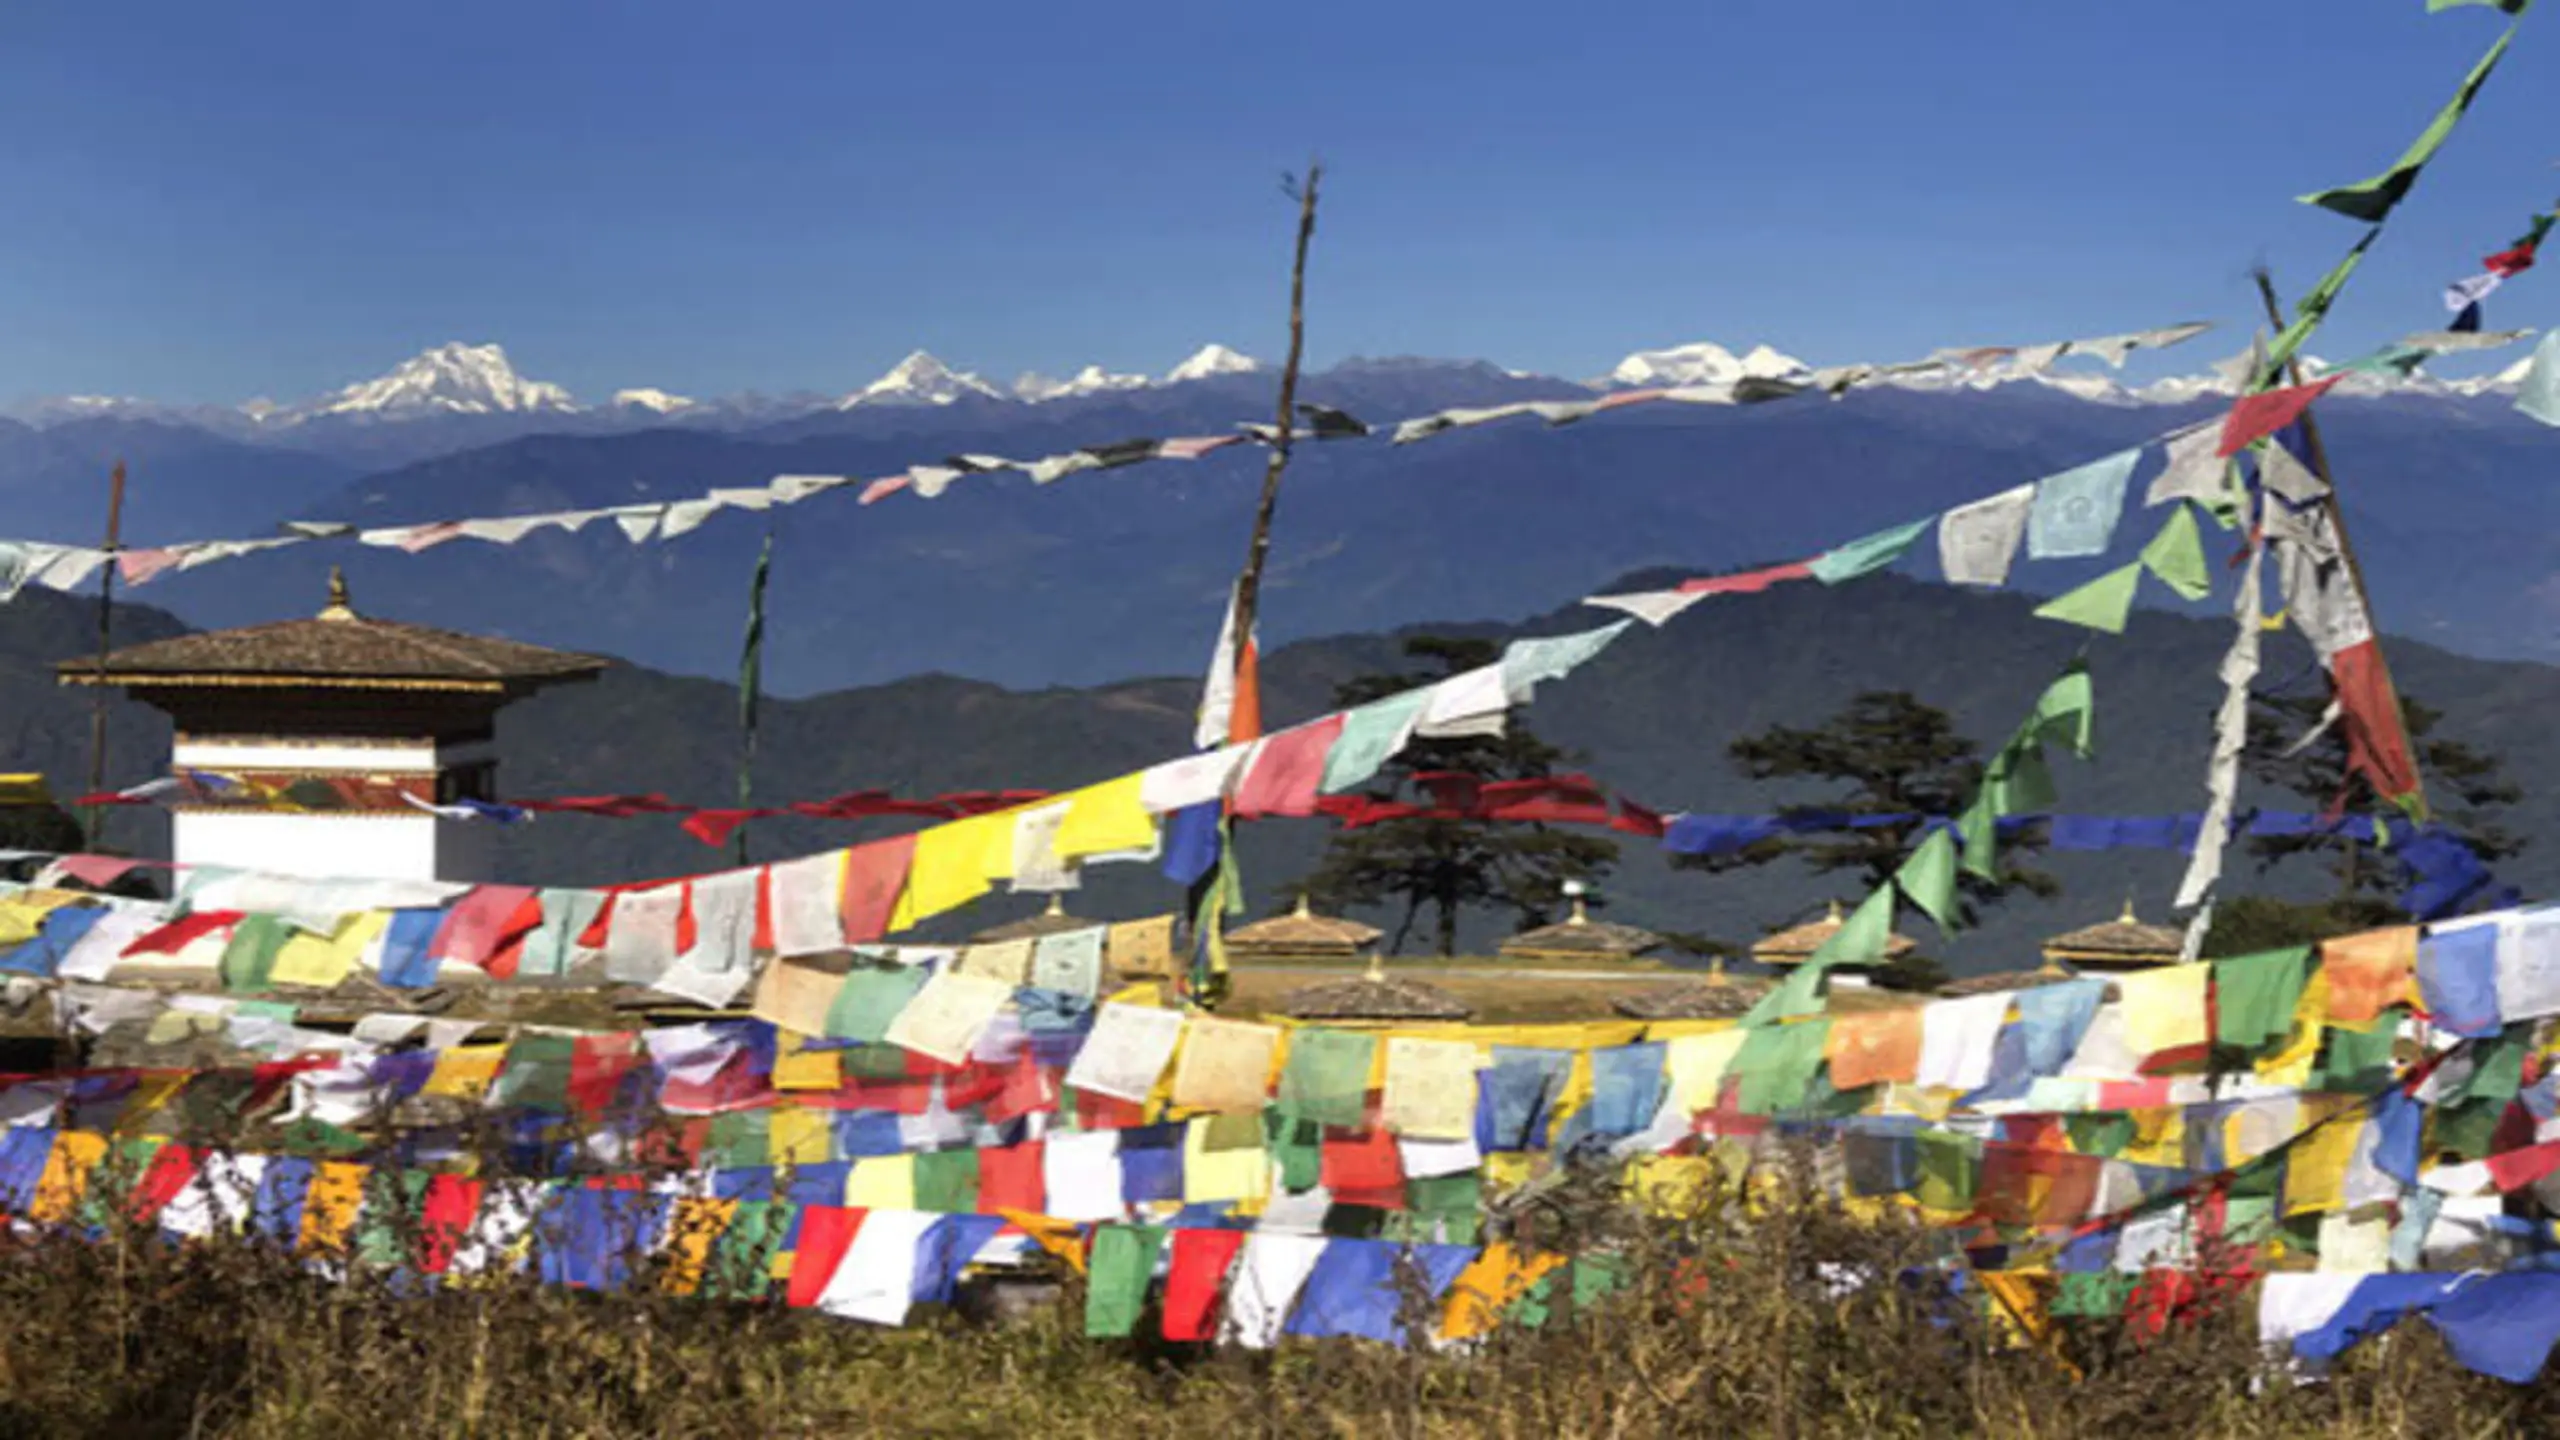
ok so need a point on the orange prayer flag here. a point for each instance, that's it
(2369, 973)
(1873, 1047)
(1487, 1287)
(1244, 722)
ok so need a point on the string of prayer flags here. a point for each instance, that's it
(1868, 555)
(2373, 199)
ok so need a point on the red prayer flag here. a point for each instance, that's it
(1636, 819)
(175, 936)
(2511, 262)
(1287, 770)
(1195, 1279)
(451, 1207)
(826, 1232)
(1009, 1179)
(171, 1168)
(714, 827)
(2377, 743)
(1749, 582)
(874, 875)
(1363, 1160)
(2515, 1169)
(2258, 416)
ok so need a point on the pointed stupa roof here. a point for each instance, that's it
(2120, 942)
(1579, 937)
(1718, 996)
(1797, 943)
(1302, 932)
(1373, 997)
(335, 649)
(1051, 921)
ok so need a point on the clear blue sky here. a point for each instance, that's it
(206, 202)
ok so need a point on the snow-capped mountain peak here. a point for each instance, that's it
(1701, 362)
(451, 379)
(1091, 380)
(647, 398)
(1211, 360)
(920, 379)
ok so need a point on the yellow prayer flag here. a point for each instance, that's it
(1104, 818)
(1695, 1065)
(465, 1071)
(796, 1067)
(2315, 1170)
(953, 865)
(321, 961)
(882, 1182)
(800, 1135)
(1140, 947)
(2164, 1008)
(330, 1206)
(66, 1176)
(1223, 1158)
(2291, 1066)
(1671, 1186)
(1488, 1286)
(696, 1226)
(1430, 1087)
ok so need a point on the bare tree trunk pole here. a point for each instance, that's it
(1249, 582)
(93, 817)
(2319, 458)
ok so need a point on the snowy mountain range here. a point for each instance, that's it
(460, 380)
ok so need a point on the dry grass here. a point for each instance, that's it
(1781, 1317)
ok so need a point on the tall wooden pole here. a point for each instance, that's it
(94, 817)
(2319, 458)
(1249, 583)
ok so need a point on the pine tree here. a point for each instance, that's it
(1447, 867)
(1885, 753)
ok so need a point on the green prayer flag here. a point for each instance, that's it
(2099, 1132)
(2254, 996)
(2176, 555)
(1950, 1166)
(2371, 200)
(1798, 994)
(1326, 1079)
(1369, 735)
(740, 1140)
(1929, 878)
(2497, 1068)
(536, 1074)
(741, 1261)
(2103, 604)
(1980, 827)
(2358, 1059)
(1777, 1064)
(2308, 312)
(1116, 1277)
(2511, 7)
(1438, 1195)
(2066, 713)
(868, 1002)
(1862, 938)
(249, 958)
(2466, 1130)
(1297, 1150)
(1867, 555)
(2092, 1294)
(947, 1181)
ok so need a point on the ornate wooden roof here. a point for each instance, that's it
(2121, 941)
(1716, 997)
(1052, 921)
(1797, 943)
(1373, 996)
(1578, 935)
(1302, 932)
(337, 648)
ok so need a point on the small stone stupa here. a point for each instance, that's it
(1797, 944)
(332, 736)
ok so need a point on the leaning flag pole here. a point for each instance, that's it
(1235, 669)
(2415, 802)
(751, 686)
(94, 818)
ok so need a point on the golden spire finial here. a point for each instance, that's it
(1377, 971)
(1057, 906)
(1834, 916)
(1303, 912)
(2127, 917)
(338, 608)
